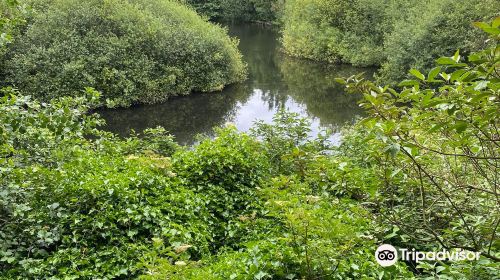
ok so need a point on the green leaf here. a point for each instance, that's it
(476, 57)
(340, 81)
(460, 126)
(440, 268)
(496, 22)
(481, 25)
(436, 127)
(417, 74)
(487, 28)
(408, 83)
(480, 96)
(481, 85)
(457, 74)
(392, 149)
(493, 31)
(445, 76)
(456, 56)
(433, 73)
(260, 275)
(445, 61)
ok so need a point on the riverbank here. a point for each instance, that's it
(274, 82)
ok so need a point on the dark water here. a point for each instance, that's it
(275, 81)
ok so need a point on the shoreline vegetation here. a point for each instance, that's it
(420, 171)
(131, 51)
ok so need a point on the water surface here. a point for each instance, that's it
(275, 81)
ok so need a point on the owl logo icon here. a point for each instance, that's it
(386, 255)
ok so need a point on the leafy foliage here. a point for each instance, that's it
(11, 17)
(139, 52)
(82, 208)
(397, 35)
(227, 170)
(302, 232)
(431, 30)
(287, 143)
(98, 206)
(240, 10)
(421, 171)
(435, 149)
(335, 30)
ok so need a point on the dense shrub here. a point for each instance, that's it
(419, 172)
(133, 51)
(71, 207)
(269, 11)
(240, 10)
(95, 215)
(398, 35)
(433, 29)
(335, 30)
(320, 240)
(303, 232)
(228, 171)
(287, 143)
(12, 15)
(211, 9)
(433, 149)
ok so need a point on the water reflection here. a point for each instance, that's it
(275, 81)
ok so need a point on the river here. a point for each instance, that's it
(275, 81)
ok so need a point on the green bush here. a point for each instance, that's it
(335, 30)
(228, 171)
(433, 29)
(210, 9)
(287, 144)
(133, 51)
(315, 236)
(396, 35)
(94, 216)
(12, 15)
(71, 207)
(240, 10)
(433, 149)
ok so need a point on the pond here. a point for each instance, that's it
(275, 81)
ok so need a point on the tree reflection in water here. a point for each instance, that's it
(275, 81)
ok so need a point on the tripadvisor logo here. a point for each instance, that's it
(387, 255)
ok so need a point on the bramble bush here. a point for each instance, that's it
(133, 51)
